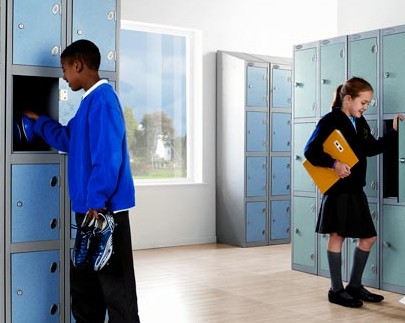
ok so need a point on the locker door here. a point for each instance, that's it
(281, 88)
(256, 174)
(37, 32)
(95, 20)
(35, 287)
(371, 187)
(256, 216)
(256, 131)
(332, 71)
(303, 233)
(401, 163)
(370, 275)
(257, 86)
(393, 242)
(281, 132)
(35, 202)
(302, 180)
(305, 82)
(280, 175)
(363, 62)
(393, 78)
(280, 220)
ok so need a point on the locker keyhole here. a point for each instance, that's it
(53, 267)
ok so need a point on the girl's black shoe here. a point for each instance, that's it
(342, 297)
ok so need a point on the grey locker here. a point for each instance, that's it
(256, 218)
(97, 21)
(363, 62)
(281, 132)
(257, 86)
(35, 287)
(37, 41)
(280, 175)
(35, 202)
(281, 88)
(280, 219)
(302, 181)
(256, 131)
(303, 234)
(393, 70)
(332, 70)
(305, 69)
(256, 174)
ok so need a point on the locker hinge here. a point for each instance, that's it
(63, 95)
(112, 15)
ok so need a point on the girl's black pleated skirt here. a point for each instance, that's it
(346, 214)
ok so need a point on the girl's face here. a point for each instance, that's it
(357, 106)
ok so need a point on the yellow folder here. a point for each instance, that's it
(338, 148)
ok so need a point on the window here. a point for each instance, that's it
(157, 68)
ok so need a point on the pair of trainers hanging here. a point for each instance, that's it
(94, 241)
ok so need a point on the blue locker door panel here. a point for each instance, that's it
(281, 90)
(37, 30)
(257, 86)
(35, 287)
(255, 221)
(256, 173)
(35, 202)
(372, 170)
(305, 83)
(280, 175)
(256, 131)
(333, 68)
(280, 220)
(363, 63)
(96, 20)
(281, 132)
(393, 72)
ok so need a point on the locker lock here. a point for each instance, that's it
(402, 160)
(54, 309)
(20, 292)
(20, 26)
(19, 204)
(54, 223)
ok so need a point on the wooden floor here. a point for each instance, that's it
(215, 283)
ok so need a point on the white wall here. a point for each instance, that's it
(364, 15)
(185, 214)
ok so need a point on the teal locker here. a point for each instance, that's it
(256, 217)
(393, 251)
(37, 41)
(281, 88)
(363, 62)
(280, 220)
(35, 202)
(401, 163)
(303, 234)
(256, 131)
(257, 86)
(256, 174)
(371, 188)
(280, 175)
(370, 274)
(35, 287)
(302, 181)
(281, 131)
(323, 264)
(393, 67)
(305, 62)
(97, 21)
(332, 70)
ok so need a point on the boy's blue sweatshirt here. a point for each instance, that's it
(99, 171)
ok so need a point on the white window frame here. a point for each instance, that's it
(194, 116)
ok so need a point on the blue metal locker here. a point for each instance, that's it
(281, 88)
(371, 188)
(280, 220)
(281, 132)
(256, 174)
(305, 62)
(37, 32)
(256, 216)
(332, 70)
(257, 86)
(35, 206)
(280, 175)
(35, 287)
(256, 131)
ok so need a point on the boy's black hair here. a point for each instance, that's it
(85, 50)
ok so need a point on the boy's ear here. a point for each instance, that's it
(78, 65)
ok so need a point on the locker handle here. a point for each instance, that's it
(54, 223)
(387, 75)
(402, 160)
(386, 244)
(53, 267)
(297, 231)
(54, 181)
(54, 309)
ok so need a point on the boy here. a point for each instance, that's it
(100, 183)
